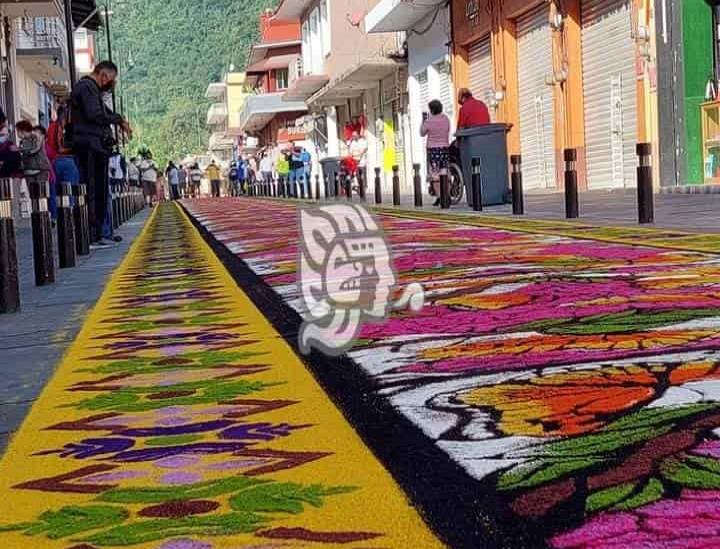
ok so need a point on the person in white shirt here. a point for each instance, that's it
(266, 169)
(133, 172)
(149, 176)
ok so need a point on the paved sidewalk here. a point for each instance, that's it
(686, 212)
(33, 340)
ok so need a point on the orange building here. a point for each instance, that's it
(573, 74)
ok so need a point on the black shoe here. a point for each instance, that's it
(116, 238)
(436, 203)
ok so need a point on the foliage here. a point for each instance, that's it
(176, 49)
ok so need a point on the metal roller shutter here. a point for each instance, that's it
(610, 93)
(536, 98)
(446, 89)
(481, 82)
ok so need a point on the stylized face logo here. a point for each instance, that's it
(346, 276)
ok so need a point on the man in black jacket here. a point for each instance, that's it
(93, 140)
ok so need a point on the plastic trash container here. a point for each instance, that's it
(488, 142)
(330, 166)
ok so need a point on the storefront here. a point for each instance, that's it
(537, 120)
(610, 93)
(574, 74)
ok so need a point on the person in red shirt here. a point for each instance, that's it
(473, 112)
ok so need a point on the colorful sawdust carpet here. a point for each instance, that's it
(180, 419)
(577, 381)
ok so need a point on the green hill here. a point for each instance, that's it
(168, 52)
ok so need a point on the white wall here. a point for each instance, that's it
(26, 96)
(424, 50)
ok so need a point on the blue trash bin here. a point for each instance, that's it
(489, 142)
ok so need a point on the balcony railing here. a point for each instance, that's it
(40, 33)
(295, 70)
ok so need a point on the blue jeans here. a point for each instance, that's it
(66, 171)
(299, 176)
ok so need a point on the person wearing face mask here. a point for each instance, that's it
(93, 140)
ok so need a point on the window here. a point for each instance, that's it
(281, 79)
(325, 27)
(306, 48)
(316, 41)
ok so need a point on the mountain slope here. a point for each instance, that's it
(168, 52)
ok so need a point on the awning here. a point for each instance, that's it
(362, 76)
(271, 63)
(258, 52)
(260, 109)
(399, 15)
(304, 87)
(81, 10)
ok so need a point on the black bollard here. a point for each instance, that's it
(444, 191)
(82, 222)
(348, 186)
(9, 285)
(646, 201)
(336, 188)
(476, 184)
(317, 186)
(67, 249)
(518, 200)
(43, 258)
(396, 185)
(572, 206)
(417, 186)
(326, 183)
(361, 181)
(303, 183)
(115, 212)
(378, 186)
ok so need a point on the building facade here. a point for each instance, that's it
(351, 80)
(266, 120)
(689, 112)
(579, 74)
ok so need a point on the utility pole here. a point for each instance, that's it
(70, 32)
(109, 47)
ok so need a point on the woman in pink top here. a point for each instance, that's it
(436, 128)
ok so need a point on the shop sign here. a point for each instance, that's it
(293, 133)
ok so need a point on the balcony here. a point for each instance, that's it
(302, 86)
(42, 48)
(216, 91)
(217, 114)
(399, 15)
(30, 9)
(260, 109)
(219, 141)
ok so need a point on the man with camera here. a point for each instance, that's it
(94, 141)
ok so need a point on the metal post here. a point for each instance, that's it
(303, 183)
(9, 284)
(43, 258)
(378, 186)
(115, 212)
(572, 206)
(70, 36)
(361, 181)
(396, 185)
(65, 227)
(82, 223)
(336, 189)
(646, 205)
(476, 184)
(444, 191)
(348, 186)
(317, 186)
(518, 200)
(417, 186)
(326, 182)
